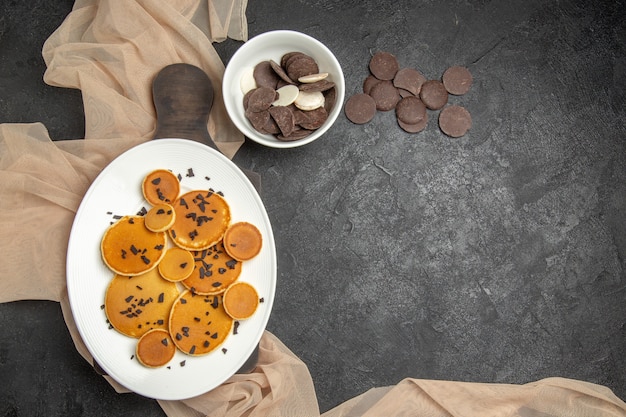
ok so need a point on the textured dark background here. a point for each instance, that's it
(496, 257)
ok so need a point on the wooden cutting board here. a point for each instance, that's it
(183, 97)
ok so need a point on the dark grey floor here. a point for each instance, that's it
(496, 257)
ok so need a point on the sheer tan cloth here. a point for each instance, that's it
(111, 51)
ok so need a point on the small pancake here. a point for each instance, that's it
(129, 248)
(176, 265)
(214, 271)
(241, 300)
(155, 348)
(160, 186)
(201, 219)
(243, 241)
(135, 305)
(160, 218)
(198, 323)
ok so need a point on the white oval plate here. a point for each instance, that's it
(117, 191)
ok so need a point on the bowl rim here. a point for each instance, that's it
(269, 140)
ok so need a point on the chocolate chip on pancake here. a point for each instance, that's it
(360, 108)
(265, 76)
(414, 128)
(283, 116)
(384, 65)
(410, 110)
(434, 95)
(409, 79)
(455, 121)
(457, 80)
(385, 95)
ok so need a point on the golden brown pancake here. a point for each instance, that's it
(241, 300)
(160, 186)
(198, 323)
(135, 305)
(129, 248)
(243, 241)
(160, 218)
(201, 219)
(155, 348)
(214, 271)
(177, 264)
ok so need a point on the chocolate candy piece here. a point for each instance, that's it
(313, 119)
(385, 95)
(434, 95)
(330, 96)
(455, 121)
(301, 65)
(295, 135)
(280, 72)
(261, 99)
(384, 65)
(265, 76)
(321, 85)
(284, 119)
(258, 119)
(410, 110)
(285, 58)
(409, 79)
(360, 108)
(369, 82)
(457, 80)
(414, 128)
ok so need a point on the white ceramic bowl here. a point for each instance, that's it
(273, 45)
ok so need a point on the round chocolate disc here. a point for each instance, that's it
(414, 128)
(455, 121)
(360, 108)
(434, 94)
(265, 76)
(457, 80)
(384, 65)
(369, 82)
(410, 110)
(385, 95)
